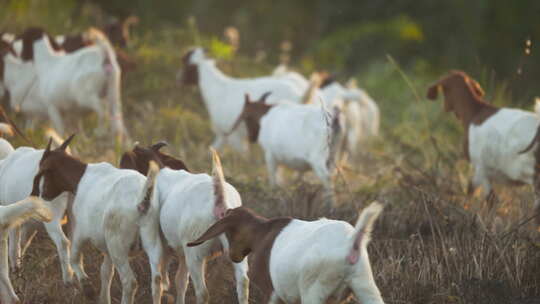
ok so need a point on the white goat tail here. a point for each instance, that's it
(30, 208)
(363, 229)
(148, 189)
(218, 180)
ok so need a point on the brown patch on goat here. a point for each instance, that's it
(463, 96)
(73, 43)
(252, 113)
(29, 36)
(118, 31)
(190, 74)
(60, 171)
(249, 233)
(139, 158)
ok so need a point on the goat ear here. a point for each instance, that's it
(218, 228)
(48, 148)
(264, 97)
(246, 99)
(66, 143)
(159, 145)
(476, 88)
(433, 91)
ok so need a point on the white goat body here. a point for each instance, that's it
(495, 145)
(107, 213)
(187, 210)
(301, 137)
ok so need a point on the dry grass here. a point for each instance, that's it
(432, 244)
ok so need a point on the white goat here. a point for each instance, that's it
(87, 78)
(12, 216)
(223, 95)
(362, 114)
(111, 209)
(500, 142)
(295, 261)
(190, 203)
(301, 137)
(17, 171)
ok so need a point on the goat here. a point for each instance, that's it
(298, 136)
(222, 95)
(495, 139)
(85, 78)
(361, 113)
(16, 173)
(10, 217)
(294, 260)
(111, 208)
(190, 203)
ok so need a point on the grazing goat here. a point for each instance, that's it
(223, 95)
(295, 261)
(88, 78)
(111, 208)
(12, 216)
(190, 203)
(499, 142)
(299, 136)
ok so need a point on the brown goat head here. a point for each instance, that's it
(139, 158)
(240, 225)
(190, 72)
(252, 113)
(456, 85)
(118, 31)
(59, 171)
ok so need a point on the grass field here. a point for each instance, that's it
(432, 244)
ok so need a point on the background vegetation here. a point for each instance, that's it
(433, 244)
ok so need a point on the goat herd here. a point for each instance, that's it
(153, 197)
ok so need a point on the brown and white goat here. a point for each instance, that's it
(499, 142)
(295, 261)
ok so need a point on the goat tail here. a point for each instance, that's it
(148, 198)
(31, 207)
(218, 181)
(335, 135)
(535, 139)
(363, 228)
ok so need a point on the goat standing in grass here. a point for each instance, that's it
(190, 203)
(296, 261)
(499, 142)
(111, 208)
(223, 95)
(88, 78)
(301, 137)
